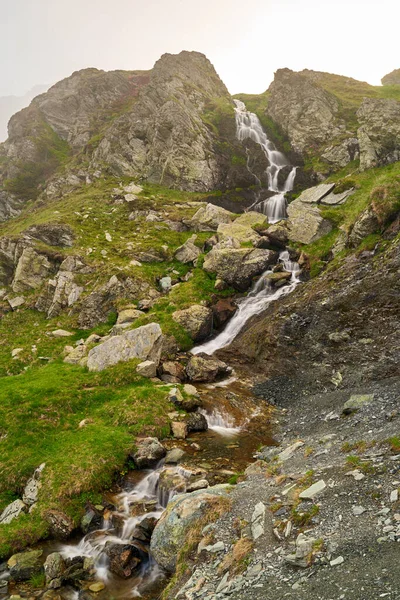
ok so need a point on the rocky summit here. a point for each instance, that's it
(199, 358)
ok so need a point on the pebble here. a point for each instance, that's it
(394, 496)
(313, 490)
(97, 587)
(358, 510)
(337, 561)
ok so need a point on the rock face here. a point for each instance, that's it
(196, 320)
(184, 512)
(32, 269)
(392, 78)
(237, 267)
(379, 132)
(304, 111)
(144, 343)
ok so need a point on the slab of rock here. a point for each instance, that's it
(53, 234)
(12, 511)
(16, 302)
(209, 217)
(179, 430)
(128, 316)
(313, 490)
(303, 555)
(188, 252)
(196, 320)
(336, 199)
(238, 266)
(148, 453)
(379, 132)
(315, 194)
(148, 368)
(202, 367)
(144, 343)
(289, 451)
(257, 521)
(32, 269)
(182, 513)
(305, 223)
(366, 224)
(356, 402)
(241, 228)
(31, 490)
(24, 565)
(60, 333)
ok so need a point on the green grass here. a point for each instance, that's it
(40, 412)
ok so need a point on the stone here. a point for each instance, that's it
(209, 217)
(24, 565)
(336, 199)
(339, 154)
(188, 252)
(204, 368)
(144, 343)
(190, 390)
(257, 521)
(16, 302)
(339, 336)
(148, 453)
(305, 223)
(148, 368)
(127, 316)
(336, 561)
(32, 269)
(200, 484)
(238, 231)
(355, 402)
(125, 559)
(223, 310)
(313, 490)
(61, 525)
(196, 320)
(52, 234)
(179, 430)
(187, 404)
(303, 555)
(173, 368)
(31, 490)
(54, 568)
(174, 456)
(97, 587)
(60, 333)
(196, 422)
(358, 510)
(165, 284)
(13, 511)
(238, 266)
(182, 514)
(394, 496)
(366, 224)
(277, 235)
(315, 194)
(289, 451)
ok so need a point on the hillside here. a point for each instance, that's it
(138, 223)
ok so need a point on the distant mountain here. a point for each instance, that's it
(9, 105)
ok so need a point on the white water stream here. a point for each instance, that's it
(249, 127)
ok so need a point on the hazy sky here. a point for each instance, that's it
(42, 41)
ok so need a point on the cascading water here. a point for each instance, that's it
(222, 424)
(248, 126)
(254, 303)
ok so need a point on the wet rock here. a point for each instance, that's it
(196, 320)
(171, 482)
(125, 559)
(144, 343)
(223, 310)
(183, 513)
(61, 525)
(238, 267)
(202, 367)
(174, 456)
(24, 565)
(187, 404)
(208, 218)
(91, 521)
(54, 568)
(189, 252)
(12, 511)
(98, 586)
(148, 368)
(197, 422)
(149, 453)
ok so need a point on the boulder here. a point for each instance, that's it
(148, 368)
(77, 355)
(209, 217)
(202, 367)
(171, 482)
(241, 228)
(53, 234)
(306, 225)
(31, 271)
(125, 559)
(277, 235)
(12, 511)
(336, 199)
(338, 155)
(144, 343)
(196, 320)
(149, 453)
(174, 456)
(196, 422)
(24, 565)
(189, 252)
(179, 429)
(238, 267)
(356, 402)
(54, 568)
(184, 513)
(127, 316)
(366, 224)
(174, 369)
(187, 404)
(223, 310)
(61, 525)
(316, 194)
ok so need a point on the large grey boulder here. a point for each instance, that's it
(188, 252)
(53, 234)
(12, 511)
(239, 266)
(32, 269)
(306, 224)
(209, 217)
(24, 565)
(315, 194)
(197, 320)
(144, 343)
(202, 367)
(366, 224)
(184, 513)
(379, 132)
(340, 154)
(149, 452)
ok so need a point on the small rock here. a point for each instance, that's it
(356, 402)
(179, 430)
(97, 587)
(313, 490)
(174, 456)
(358, 510)
(394, 496)
(60, 333)
(148, 369)
(336, 561)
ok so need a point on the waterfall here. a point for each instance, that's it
(257, 300)
(248, 126)
(222, 424)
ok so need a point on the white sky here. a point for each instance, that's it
(42, 41)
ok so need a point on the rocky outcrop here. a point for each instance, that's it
(304, 111)
(305, 222)
(144, 343)
(209, 217)
(31, 271)
(379, 132)
(183, 514)
(392, 78)
(339, 155)
(237, 267)
(197, 320)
